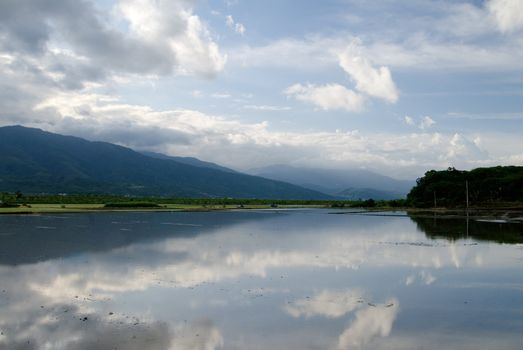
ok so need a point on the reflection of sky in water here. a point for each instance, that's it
(256, 280)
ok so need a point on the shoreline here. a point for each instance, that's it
(99, 208)
(508, 214)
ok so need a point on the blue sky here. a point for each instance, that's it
(392, 86)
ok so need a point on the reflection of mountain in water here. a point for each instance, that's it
(462, 228)
(29, 239)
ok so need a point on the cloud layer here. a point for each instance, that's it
(79, 67)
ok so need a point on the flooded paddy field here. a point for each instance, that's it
(266, 279)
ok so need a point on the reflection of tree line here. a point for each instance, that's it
(29, 239)
(462, 228)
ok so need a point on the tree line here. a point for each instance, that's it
(479, 187)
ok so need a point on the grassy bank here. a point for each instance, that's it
(19, 203)
(83, 207)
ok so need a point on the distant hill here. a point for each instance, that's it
(189, 160)
(344, 183)
(486, 186)
(35, 161)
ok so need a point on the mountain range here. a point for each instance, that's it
(36, 161)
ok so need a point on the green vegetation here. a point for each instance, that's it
(494, 186)
(20, 203)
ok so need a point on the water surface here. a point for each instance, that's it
(278, 279)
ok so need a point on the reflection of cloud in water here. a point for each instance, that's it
(201, 336)
(63, 327)
(369, 323)
(423, 276)
(227, 254)
(331, 304)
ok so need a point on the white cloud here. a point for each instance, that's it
(328, 97)
(460, 148)
(267, 108)
(375, 82)
(239, 28)
(424, 123)
(236, 26)
(369, 81)
(370, 323)
(508, 14)
(242, 145)
(76, 44)
(229, 21)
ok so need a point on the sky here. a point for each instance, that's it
(397, 87)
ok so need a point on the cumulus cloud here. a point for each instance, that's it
(173, 25)
(460, 147)
(508, 14)
(409, 120)
(369, 82)
(236, 26)
(424, 123)
(369, 324)
(375, 82)
(73, 41)
(328, 97)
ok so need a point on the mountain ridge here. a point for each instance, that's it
(37, 161)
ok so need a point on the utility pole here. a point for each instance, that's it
(467, 193)
(435, 204)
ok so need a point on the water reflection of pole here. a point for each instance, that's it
(467, 236)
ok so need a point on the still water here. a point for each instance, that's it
(279, 279)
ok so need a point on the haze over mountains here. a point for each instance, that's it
(349, 184)
(35, 161)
